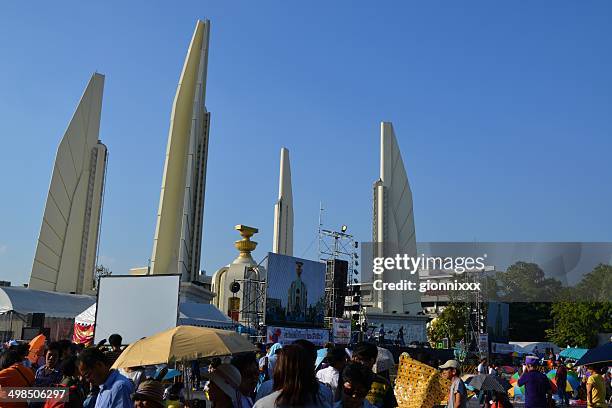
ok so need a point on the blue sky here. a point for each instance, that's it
(503, 111)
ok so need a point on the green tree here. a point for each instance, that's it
(583, 311)
(524, 286)
(449, 324)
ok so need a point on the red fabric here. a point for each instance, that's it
(83, 334)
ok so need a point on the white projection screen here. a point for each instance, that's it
(136, 306)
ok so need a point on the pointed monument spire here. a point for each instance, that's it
(66, 250)
(178, 233)
(394, 230)
(283, 210)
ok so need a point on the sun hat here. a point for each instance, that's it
(532, 360)
(450, 364)
(150, 390)
(228, 379)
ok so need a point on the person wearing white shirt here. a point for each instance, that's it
(482, 367)
(330, 376)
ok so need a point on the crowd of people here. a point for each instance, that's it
(293, 375)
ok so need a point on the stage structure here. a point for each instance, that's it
(178, 234)
(65, 258)
(393, 232)
(338, 250)
(283, 210)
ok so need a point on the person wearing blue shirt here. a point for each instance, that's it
(115, 389)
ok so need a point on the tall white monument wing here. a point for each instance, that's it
(399, 195)
(393, 226)
(66, 250)
(283, 210)
(178, 233)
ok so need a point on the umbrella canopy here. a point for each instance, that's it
(516, 391)
(169, 375)
(508, 369)
(321, 354)
(384, 360)
(183, 343)
(514, 378)
(571, 383)
(37, 345)
(487, 382)
(601, 354)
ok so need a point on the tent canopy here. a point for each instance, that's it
(88, 316)
(204, 315)
(573, 353)
(192, 314)
(52, 304)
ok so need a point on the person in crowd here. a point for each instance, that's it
(482, 367)
(493, 369)
(249, 372)
(173, 395)
(356, 383)
(561, 381)
(24, 350)
(330, 376)
(150, 394)
(457, 397)
(500, 400)
(66, 349)
(49, 375)
(70, 381)
(400, 336)
(224, 387)
(595, 388)
(310, 351)
(538, 392)
(295, 384)
(134, 374)
(381, 334)
(113, 354)
(381, 392)
(114, 389)
(271, 358)
(14, 374)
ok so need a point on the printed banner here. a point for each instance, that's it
(287, 335)
(502, 348)
(341, 331)
(483, 343)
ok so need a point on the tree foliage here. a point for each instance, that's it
(449, 324)
(584, 311)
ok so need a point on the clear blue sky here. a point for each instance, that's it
(503, 111)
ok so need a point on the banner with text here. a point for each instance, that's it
(287, 335)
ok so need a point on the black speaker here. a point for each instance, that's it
(335, 287)
(38, 320)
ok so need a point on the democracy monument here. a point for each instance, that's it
(65, 258)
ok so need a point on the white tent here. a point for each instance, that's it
(193, 314)
(87, 317)
(18, 304)
(53, 304)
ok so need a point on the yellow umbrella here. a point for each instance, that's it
(182, 343)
